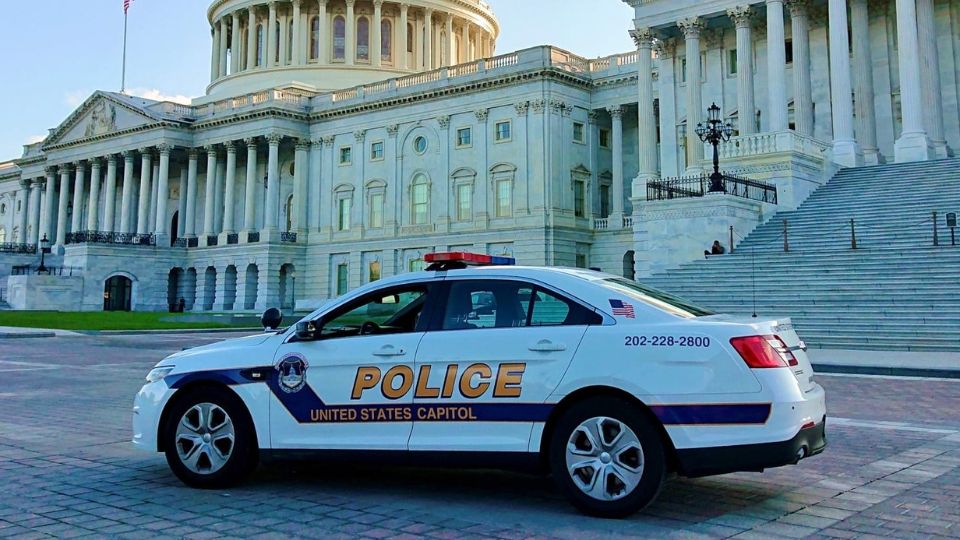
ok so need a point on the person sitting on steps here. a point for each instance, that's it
(715, 249)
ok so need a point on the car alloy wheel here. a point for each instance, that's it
(604, 458)
(205, 438)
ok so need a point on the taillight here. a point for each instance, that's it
(764, 351)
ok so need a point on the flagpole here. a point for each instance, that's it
(123, 76)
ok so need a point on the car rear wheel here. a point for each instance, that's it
(209, 441)
(607, 458)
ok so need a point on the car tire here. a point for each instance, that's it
(607, 458)
(209, 440)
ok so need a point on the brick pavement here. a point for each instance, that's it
(67, 470)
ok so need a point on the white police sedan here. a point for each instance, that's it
(605, 383)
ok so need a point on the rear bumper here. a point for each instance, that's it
(695, 462)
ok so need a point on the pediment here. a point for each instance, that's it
(99, 116)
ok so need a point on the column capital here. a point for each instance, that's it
(164, 149)
(360, 135)
(112, 158)
(642, 37)
(128, 155)
(303, 145)
(592, 116)
(378, 3)
(481, 115)
(51, 170)
(65, 168)
(392, 130)
(666, 48)
(616, 112)
(768, 2)
(274, 139)
(96, 163)
(522, 108)
(25, 183)
(798, 8)
(193, 153)
(231, 147)
(210, 149)
(444, 121)
(329, 140)
(146, 152)
(691, 27)
(449, 18)
(742, 16)
(404, 7)
(80, 166)
(428, 14)
(250, 141)
(350, 3)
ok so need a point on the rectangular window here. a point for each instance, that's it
(464, 137)
(376, 151)
(579, 132)
(374, 271)
(605, 138)
(421, 204)
(416, 265)
(732, 61)
(464, 202)
(579, 198)
(788, 47)
(343, 214)
(683, 70)
(504, 198)
(346, 155)
(342, 279)
(503, 131)
(376, 211)
(604, 200)
(581, 260)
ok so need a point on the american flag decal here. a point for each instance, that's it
(622, 309)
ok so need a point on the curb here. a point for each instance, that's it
(28, 335)
(931, 373)
(168, 331)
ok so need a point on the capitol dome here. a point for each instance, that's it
(324, 45)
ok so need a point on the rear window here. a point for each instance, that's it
(656, 298)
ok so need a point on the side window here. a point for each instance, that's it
(386, 312)
(509, 304)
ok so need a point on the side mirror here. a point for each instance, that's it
(271, 319)
(307, 330)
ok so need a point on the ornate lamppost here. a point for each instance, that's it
(715, 132)
(44, 249)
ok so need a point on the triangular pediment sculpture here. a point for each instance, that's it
(103, 114)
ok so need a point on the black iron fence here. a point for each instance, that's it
(24, 249)
(213, 240)
(253, 237)
(233, 239)
(100, 237)
(30, 269)
(186, 242)
(288, 237)
(698, 186)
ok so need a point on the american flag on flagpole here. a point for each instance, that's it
(126, 6)
(622, 309)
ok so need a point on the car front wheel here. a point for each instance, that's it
(607, 458)
(210, 443)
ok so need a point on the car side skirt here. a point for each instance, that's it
(528, 462)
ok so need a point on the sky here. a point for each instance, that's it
(51, 68)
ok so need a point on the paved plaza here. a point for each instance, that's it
(67, 470)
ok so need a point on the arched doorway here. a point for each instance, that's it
(230, 288)
(174, 289)
(209, 288)
(117, 294)
(288, 286)
(174, 228)
(629, 265)
(250, 282)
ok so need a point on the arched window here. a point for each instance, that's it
(3, 235)
(290, 44)
(339, 38)
(420, 200)
(386, 41)
(409, 37)
(260, 46)
(289, 211)
(363, 39)
(277, 40)
(315, 38)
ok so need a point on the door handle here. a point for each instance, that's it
(545, 345)
(389, 350)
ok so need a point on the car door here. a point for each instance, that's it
(349, 386)
(495, 351)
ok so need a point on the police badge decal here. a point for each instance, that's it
(292, 370)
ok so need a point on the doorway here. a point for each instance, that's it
(117, 293)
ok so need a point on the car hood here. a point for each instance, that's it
(244, 343)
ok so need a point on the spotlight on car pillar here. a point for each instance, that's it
(271, 319)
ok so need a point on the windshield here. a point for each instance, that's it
(656, 298)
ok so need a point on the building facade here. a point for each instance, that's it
(314, 165)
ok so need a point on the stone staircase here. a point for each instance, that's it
(896, 291)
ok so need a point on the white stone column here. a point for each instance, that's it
(209, 212)
(913, 144)
(234, 42)
(802, 86)
(846, 152)
(691, 31)
(93, 203)
(647, 127)
(866, 123)
(301, 165)
(402, 46)
(776, 67)
(63, 199)
(163, 190)
(297, 39)
(215, 52)
(190, 222)
(24, 208)
(428, 40)
(325, 33)
(273, 183)
(152, 204)
(46, 221)
(252, 37)
(284, 44)
(376, 48)
(616, 216)
(182, 204)
(224, 46)
(350, 49)
(930, 87)
(746, 107)
(465, 42)
(449, 58)
(126, 197)
(79, 183)
(143, 206)
(33, 224)
(250, 191)
(315, 182)
(270, 33)
(229, 189)
(666, 83)
(110, 194)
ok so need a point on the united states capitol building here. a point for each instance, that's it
(339, 141)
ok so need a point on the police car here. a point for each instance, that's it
(599, 380)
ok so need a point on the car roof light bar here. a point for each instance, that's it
(455, 260)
